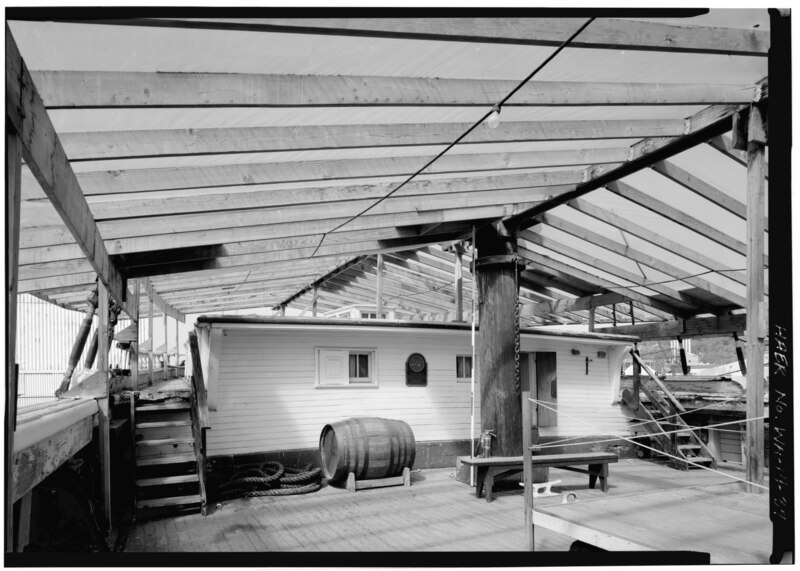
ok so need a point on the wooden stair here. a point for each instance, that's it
(167, 465)
(661, 417)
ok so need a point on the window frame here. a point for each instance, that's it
(348, 382)
(468, 378)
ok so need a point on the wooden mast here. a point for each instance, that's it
(500, 397)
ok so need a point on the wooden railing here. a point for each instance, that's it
(199, 414)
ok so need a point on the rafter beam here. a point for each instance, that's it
(640, 257)
(114, 89)
(604, 33)
(655, 238)
(128, 144)
(702, 188)
(677, 299)
(551, 264)
(158, 301)
(693, 327)
(45, 156)
(679, 217)
(565, 305)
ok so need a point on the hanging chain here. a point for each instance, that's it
(516, 322)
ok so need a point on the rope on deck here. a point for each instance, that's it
(270, 479)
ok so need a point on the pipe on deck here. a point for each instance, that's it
(80, 341)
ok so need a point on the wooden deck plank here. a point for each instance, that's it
(439, 514)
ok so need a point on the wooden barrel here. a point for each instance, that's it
(367, 446)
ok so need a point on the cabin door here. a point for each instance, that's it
(546, 388)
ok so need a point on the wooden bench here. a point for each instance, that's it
(489, 468)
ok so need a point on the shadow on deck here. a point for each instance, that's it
(439, 514)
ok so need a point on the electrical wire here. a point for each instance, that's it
(494, 108)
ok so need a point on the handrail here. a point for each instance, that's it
(198, 383)
(658, 382)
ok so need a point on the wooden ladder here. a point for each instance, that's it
(168, 469)
(661, 418)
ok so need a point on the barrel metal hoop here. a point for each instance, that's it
(499, 259)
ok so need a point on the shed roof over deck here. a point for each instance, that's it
(237, 163)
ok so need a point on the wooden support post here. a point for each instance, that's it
(166, 347)
(379, 288)
(756, 330)
(527, 468)
(459, 285)
(637, 381)
(24, 525)
(283, 310)
(633, 317)
(591, 319)
(614, 313)
(13, 168)
(135, 345)
(150, 335)
(177, 345)
(500, 404)
(314, 300)
(103, 428)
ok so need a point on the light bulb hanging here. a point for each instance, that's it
(493, 120)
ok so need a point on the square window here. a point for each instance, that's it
(463, 367)
(346, 367)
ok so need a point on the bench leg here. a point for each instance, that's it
(489, 484)
(480, 475)
(600, 470)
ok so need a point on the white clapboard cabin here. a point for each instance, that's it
(273, 383)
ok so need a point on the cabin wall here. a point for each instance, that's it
(585, 404)
(267, 399)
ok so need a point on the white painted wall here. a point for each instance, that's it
(266, 399)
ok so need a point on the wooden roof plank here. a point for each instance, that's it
(121, 89)
(603, 33)
(190, 178)
(104, 145)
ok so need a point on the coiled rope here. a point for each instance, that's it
(270, 479)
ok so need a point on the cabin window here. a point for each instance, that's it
(371, 315)
(346, 367)
(463, 367)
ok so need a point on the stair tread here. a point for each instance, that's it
(166, 459)
(163, 441)
(182, 479)
(163, 423)
(163, 406)
(171, 501)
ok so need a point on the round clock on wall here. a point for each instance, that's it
(416, 371)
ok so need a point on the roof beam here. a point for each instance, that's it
(536, 186)
(106, 145)
(238, 175)
(707, 123)
(113, 89)
(641, 258)
(679, 217)
(693, 327)
(603, 33)
(46, 159)
(626, 226)
(159, 302)
(252, 230)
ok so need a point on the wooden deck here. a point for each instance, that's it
(439, 514)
